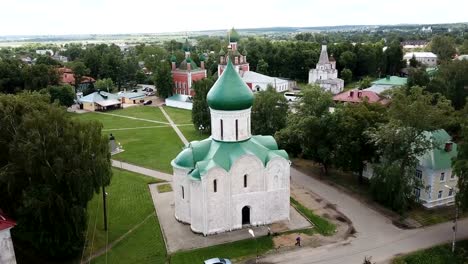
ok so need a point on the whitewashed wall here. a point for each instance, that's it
(7, 252)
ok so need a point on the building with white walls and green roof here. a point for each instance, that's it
(232, 179)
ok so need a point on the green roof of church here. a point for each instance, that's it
(230, 92)
(200, 156)
(173, 58)
(233, 35)
(438, 158)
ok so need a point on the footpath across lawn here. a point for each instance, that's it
(437, 255)
(179, 116)
(145, 112)
(129, 206)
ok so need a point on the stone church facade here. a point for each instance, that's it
(232, 179)
(325, 74)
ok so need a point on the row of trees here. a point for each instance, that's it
(51, 166)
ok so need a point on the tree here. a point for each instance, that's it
(393, 57)
(37, 77)
(309, 130)
(79, 70)
(413, 62)
(464, 47)
(52, 165)
(105, 84)
(347, 75)
(163, 79)
(365, 82)
(460, 167)
(418, 77)
(262, 67)
(348, 60)
(47, 60)
(200, 110)
(402, 140)
(11, 76)
(354, 147)
(63, 94)
(443, 46)
(269, 112)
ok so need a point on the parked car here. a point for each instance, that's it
(217, 261)
(147, 102)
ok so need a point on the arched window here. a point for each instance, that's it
(215, 187)
(237, 129)
(245, 180)
(221, 125)
(183, 194)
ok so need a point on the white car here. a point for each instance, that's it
(217, 261)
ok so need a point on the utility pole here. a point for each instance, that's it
(455, 221)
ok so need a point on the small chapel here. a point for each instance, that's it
(325, 73)
(232, 179)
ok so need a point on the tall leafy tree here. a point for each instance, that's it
(443, 46)
(200, 111)
(62, 93)
(11, 76)
(79, 70)
(37, 77)
(163, 79)
(354, 147)
(402, 140)
(51, 166)
(269, 112)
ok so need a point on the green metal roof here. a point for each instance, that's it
(173, 58)
(230, 92)
(222, 53)
(183, 64)
(186, 46)
(438, 158)
(200, 156)
(391, 80)
(233, 35)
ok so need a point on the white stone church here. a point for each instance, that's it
(325, 74)
(232, 179)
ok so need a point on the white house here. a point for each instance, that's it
(259, 82)
(7, 252)
(325, 74)
(434, 171)
(426, 58)
(232, 179)
(45, 52)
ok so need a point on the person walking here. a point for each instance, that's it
(298, 241)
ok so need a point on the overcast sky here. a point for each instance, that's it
(50, 17)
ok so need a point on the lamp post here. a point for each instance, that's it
(251, 232)
(201, 128)
(455, 221)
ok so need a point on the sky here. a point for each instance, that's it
(63, 17)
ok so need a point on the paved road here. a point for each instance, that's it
(376, 236)
(141, 170)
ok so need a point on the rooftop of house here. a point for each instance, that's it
(391, 80)
(255, 77)
(180, 98)
(440, 157)
(68, 77)
(358, 96)
(462, 57)
(417, 54)
(101, 98)
(5, 222)
(132, 95)
(200, 156)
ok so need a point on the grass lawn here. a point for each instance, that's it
(164, 188)
(433, 216)
(145, 112)
(113, 122)
(234, 250)
(322, 225)
(191, 133)
(437, 255)
(128, 204)
(179, 116)
(152, 148)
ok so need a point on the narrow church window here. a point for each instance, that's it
(215, 188)
(245, 180)
(221, 129)
(237, 129)
(183, 194)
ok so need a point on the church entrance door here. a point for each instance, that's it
(246, 215)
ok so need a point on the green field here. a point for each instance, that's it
(145, 112)
(191, 133)
(114, 122)
(437, 255)
(152, 148)
(179, 116)
(128, 204)
(234, 250)
(322, 225)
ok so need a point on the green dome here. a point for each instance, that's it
(173, 58)
(186, 46)
(202, 57)
(233, 35)
(222, 53)
(184, 159)
(230, 92)
(183, 64)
